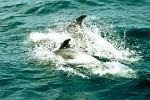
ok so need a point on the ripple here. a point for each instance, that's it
(54, 6)
(22, 80)
(89, 2)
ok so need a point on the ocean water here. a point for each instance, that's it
(25, 69)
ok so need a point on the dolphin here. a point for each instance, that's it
(73, 57)
(81, 59)
(90, 42)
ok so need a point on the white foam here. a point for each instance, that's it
(71, 71)
(45, 56)
(114, 68)
(99, 46)
(93, 27)
(92, 43)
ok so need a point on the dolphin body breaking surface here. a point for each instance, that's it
(85, 52)
(92, 43)
(84, 40)
(81, 59)
(74, 57)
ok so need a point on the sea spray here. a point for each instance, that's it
(92, 43)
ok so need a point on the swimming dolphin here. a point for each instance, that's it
(81, 59)
(90, 42)
(74, 57)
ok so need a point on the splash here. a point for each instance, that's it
(91, 42)
(105, 46)
(115, 68)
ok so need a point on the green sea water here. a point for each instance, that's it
(123, 23)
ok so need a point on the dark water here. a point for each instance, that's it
(21, 79)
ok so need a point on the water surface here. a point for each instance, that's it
(22, 79)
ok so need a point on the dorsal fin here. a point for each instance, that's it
(65, 44)
(79, 20)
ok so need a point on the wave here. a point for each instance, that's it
(49, 7)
